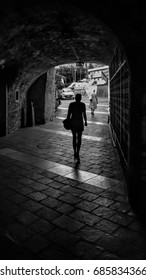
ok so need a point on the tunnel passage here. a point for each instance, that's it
(51, 34)
(41, 40)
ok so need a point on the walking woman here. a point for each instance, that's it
(77, 115)
(93, 102)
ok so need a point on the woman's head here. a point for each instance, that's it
(78, 97)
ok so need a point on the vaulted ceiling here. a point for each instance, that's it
(49, 35)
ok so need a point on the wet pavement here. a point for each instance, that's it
(52, 209)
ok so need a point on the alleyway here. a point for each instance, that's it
(51, 210)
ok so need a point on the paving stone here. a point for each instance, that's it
(17, 198)
(86, 251)
(18, 232)
(37, 196)
(120, 207)
(25, 181)
(27, 218)
(86, 218)
(104, 212)
(59, 178)
(47, 213)
(121, 219)
(56, 185)
(122, 198)
(109, 194)
(108, 256)
(111, 243)
(103, 201)
(72, 190)
(88, 196)
(31, 205)
(51, 202)
(38, 186)
(86, 205)
(90, 234)
(42, 227)
(90, 188)
(53, 192)
(69, 198)
(48, 174)
(62, 238)
(106, 226)
(67, 223)
(35, 176)
(44, 180)
(118, 189)
(36, 243)
(65, 208)
(126, 234)
(25, 190)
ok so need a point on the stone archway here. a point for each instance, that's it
(51, 34)
(36, 95)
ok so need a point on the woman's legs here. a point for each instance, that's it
(79, 135)
(74, 143)
(77, 140)
(92, 111)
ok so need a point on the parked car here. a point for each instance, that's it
(67, 93)
(79, 87)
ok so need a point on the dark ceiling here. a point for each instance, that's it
(38, 34)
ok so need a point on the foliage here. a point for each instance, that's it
(71, 73)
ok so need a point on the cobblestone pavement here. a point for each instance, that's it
(52, 209)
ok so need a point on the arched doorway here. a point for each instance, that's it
(36, 98)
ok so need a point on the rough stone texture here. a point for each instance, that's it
(50, 95)
(51, 228)
(34, 40)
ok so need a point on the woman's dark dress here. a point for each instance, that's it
(76, 112)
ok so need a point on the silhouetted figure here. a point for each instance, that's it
(93, 102)
(77, 116)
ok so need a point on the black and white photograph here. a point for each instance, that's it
(72, 130)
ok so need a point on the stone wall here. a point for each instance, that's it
(50, 95)
(17, 109)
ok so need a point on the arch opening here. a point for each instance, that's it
(66, 42)
(63, 36)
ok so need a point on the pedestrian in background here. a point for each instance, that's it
(77, 116)
(93, 101)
